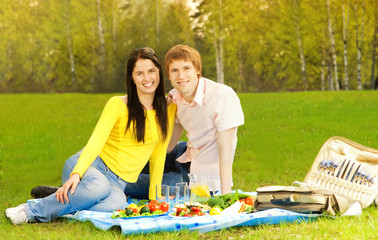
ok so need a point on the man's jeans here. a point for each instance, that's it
(99, 190)
(174, 172)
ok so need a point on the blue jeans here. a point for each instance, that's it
(99, 190)
(176, 173)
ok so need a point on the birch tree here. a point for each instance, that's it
(209, 20)
(102, 52)
(359, 37)
(373, 84)
(67, 24)
(345, 14)
(333, 47)
(115, 20)
(218, 41)
(300, 42)
(157, 22)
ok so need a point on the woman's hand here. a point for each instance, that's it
(62, 193)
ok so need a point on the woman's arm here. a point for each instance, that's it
(157, 162)
(105, 124)
(108, 118)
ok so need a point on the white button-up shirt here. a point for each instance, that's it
(215, 108)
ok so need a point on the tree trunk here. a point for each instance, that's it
(300, 45)
(69, 42)
(9, 76)
(333, 47)
(93, 66)
(359, 41)
(302, 57)
(157, 22)
(115, 37)
(322, 71)
(330, 76)
(102, 51)
(345, 38)
(372, 78)
(303, 62)
(240, 66)
(359, 58)
(218, 45)
(322, 75)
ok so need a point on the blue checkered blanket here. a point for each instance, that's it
(208, 223)
(203, 224)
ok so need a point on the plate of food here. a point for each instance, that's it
(231, 203)
(152, 209)
(183, 210)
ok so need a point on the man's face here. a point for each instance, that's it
(184, 78)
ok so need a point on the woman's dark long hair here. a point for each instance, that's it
(137, 114)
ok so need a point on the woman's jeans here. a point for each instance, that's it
(174, 172)
(99, 190)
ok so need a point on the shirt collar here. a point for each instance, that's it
(198, 97)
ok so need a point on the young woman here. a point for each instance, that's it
(132, 130)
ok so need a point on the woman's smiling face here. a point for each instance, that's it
(146, 76)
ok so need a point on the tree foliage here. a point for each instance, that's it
(253, 46)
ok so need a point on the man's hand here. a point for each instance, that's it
(226, 158)
(62, 193)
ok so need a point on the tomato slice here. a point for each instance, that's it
(164, 207)
(250, 200)
(153, 208)
(153, 202)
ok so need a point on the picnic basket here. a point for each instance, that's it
(343, 172)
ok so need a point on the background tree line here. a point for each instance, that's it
(253, 46)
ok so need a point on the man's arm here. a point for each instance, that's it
(224, 143)
(177, 132)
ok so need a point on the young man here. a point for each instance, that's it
(209, 112)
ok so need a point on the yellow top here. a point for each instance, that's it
(121, 152)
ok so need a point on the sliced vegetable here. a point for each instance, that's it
(215, 211)
(164, 207)
(133, 205)
(250, 200)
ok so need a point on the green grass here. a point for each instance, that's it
(281, 137)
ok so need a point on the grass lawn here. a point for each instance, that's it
(281, 137)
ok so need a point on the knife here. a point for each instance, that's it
(346, 178)
(334, 168)
(341, 167)
(354, 175)
(372, 180)
(342, 175)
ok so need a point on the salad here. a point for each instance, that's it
(152, 208)
(187, 211)
(232, 202)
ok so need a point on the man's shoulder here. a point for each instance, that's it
(217, 89)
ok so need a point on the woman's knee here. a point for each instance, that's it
(117, 200)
